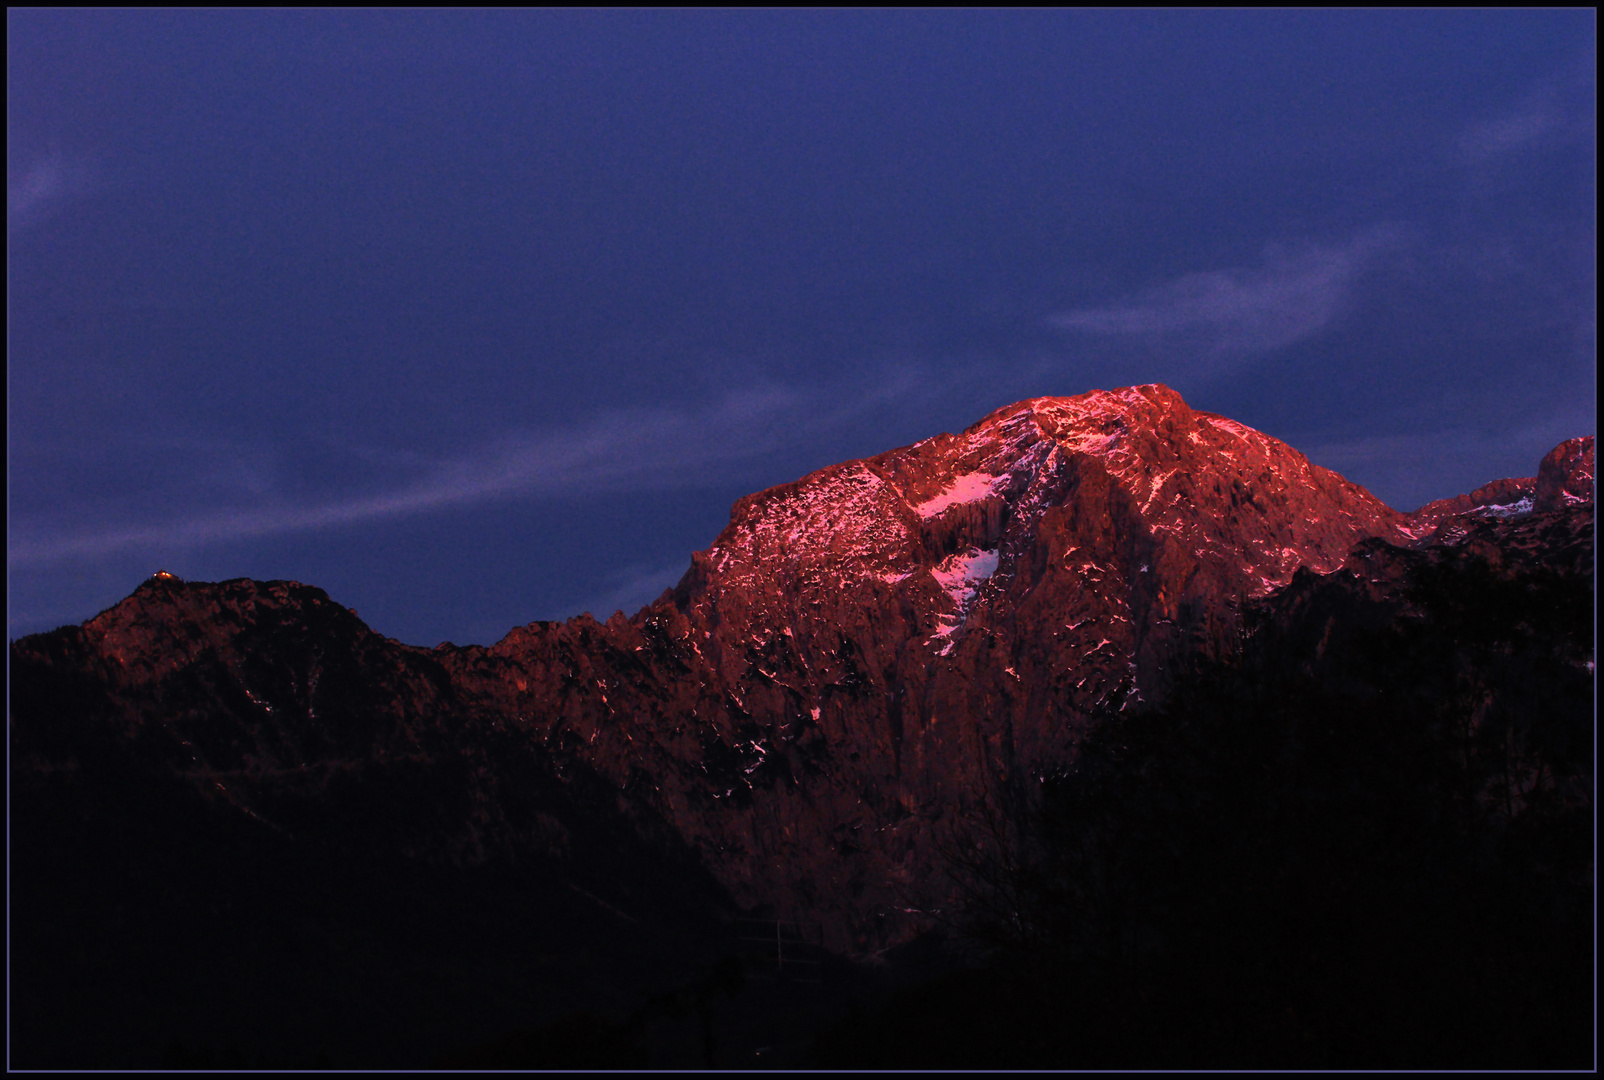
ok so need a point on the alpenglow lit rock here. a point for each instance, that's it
(860, 656)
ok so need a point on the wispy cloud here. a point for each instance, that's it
(1557, 108)
(38, 183)
(618, 450)
(633, 587)
(1241, 312)
(1501, 135)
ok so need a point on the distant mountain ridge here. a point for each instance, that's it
(861, 661)
(858, 652)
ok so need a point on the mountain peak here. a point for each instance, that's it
(1565, 476)
(1128, 401)
(862, 649)
(1195, 484)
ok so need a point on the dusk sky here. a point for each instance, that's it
(476, 318)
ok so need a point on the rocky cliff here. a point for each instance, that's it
(869, 650)
(862, 657)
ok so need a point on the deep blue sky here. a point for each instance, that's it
(477, 318)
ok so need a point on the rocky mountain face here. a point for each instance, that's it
(1362, 840)
(885, 643)
(862, 661)
(867, 649)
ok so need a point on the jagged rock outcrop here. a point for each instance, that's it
(1565, 477)
(1500, 498)
(860, 657)
(865, 651)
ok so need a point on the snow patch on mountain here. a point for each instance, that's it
(960, 576)
(965, 489)
(1507, 510)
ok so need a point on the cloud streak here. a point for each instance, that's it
(1241, 312)
(618, 450)
(633, 587)
(1558, 108)
(41, 184)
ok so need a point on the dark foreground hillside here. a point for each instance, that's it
(1364, 842)
(150, 931)
(389, 880)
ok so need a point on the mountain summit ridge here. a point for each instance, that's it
(860, 656)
